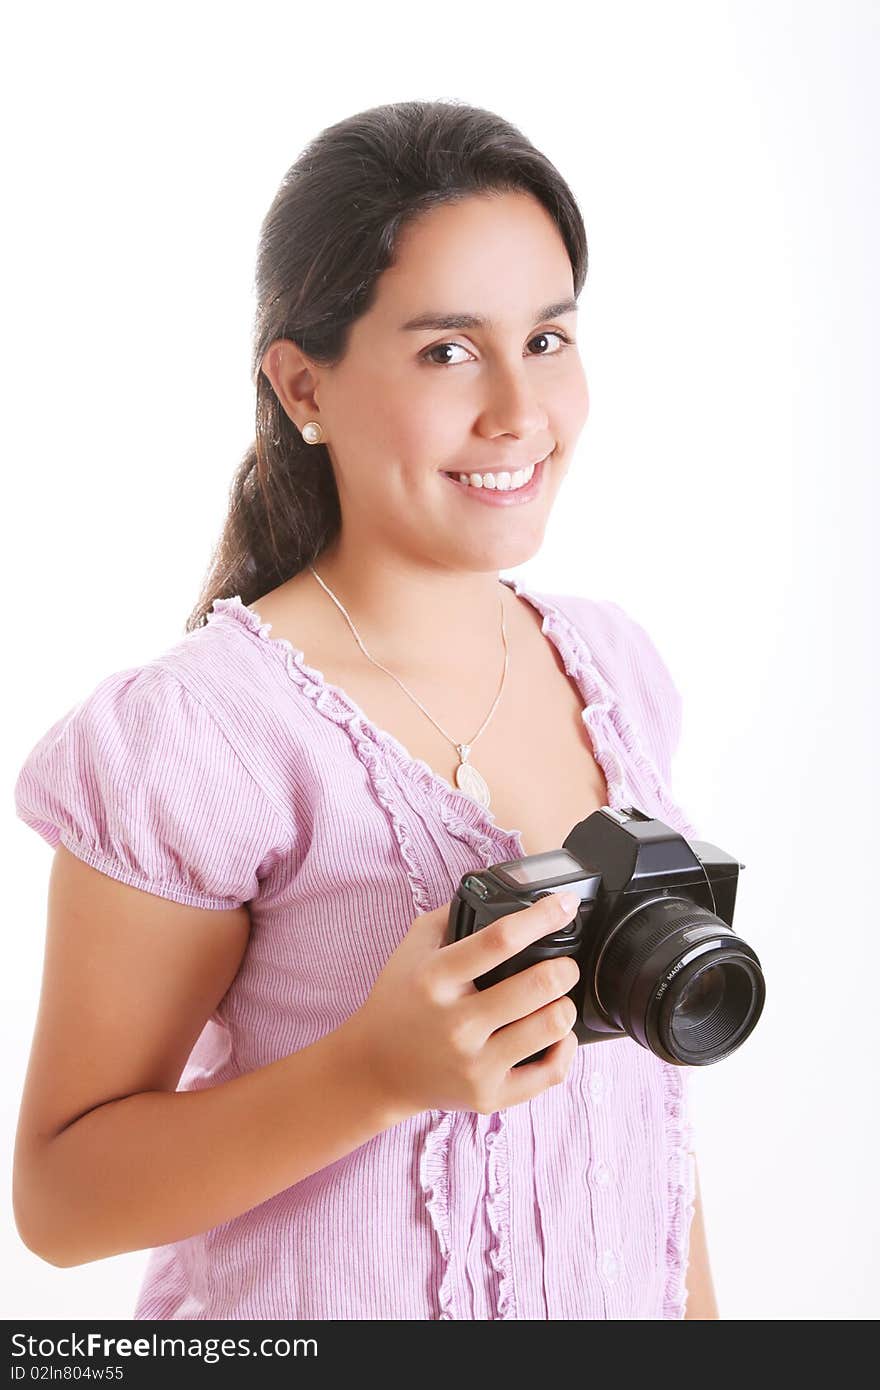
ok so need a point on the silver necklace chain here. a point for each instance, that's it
(467, 778)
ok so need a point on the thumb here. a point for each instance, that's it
(430, 930)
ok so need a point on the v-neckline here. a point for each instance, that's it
(335, 702)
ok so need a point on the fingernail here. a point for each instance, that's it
(569, 901)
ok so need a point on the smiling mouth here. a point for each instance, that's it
(458, 475)
(493, 496)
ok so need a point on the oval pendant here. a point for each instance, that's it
(470, 781)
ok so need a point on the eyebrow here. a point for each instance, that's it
(463, 320)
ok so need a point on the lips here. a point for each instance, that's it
(505, 468)
(497, 497)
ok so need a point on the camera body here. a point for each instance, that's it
(653, 936)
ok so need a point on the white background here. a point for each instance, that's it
(724, 490)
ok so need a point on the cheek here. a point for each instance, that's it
(426, 429)
(379, 428)
(574, 401)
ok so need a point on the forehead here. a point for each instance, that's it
(497, 254)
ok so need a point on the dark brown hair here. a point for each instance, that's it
(329, 234)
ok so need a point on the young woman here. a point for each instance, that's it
(252, 1028)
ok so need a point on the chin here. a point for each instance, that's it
(509, 556)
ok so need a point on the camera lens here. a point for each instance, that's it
(700, 999)
(711, 1009)
(679, 981)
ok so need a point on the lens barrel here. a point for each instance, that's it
(680, 982)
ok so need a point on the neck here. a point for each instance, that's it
(417, 619)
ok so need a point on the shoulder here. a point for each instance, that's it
(629, 659)
(142, 782)
(612, 632)
(247, 684)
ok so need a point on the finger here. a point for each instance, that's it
(524, 993)
(543, 1028)
(524, 1083)
(480, 952)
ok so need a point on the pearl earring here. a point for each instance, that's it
(312, 432)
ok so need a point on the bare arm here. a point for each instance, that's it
(701, 1302)
(109, 1157)
(156, 1167)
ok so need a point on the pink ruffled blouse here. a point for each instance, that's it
(227, 771)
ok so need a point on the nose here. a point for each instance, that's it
(512, 405)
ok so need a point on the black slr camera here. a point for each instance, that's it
(658, 958)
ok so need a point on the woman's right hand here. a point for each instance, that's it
(430, 1039)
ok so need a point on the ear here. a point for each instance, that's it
(294, 380)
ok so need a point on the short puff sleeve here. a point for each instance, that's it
(141, 781)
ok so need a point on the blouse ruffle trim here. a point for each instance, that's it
(498, 1212)
(604, 711)
(434, 1182)
(377, 748)
(680, 1193)
(370, 743)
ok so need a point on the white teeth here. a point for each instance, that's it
(504, 482)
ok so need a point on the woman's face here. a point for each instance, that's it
(408, 405)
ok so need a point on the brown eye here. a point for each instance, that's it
(542, 337)
(428, 354)
(441, 347)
